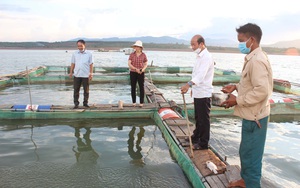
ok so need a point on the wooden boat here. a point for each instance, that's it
(285, 86)
(5, 81)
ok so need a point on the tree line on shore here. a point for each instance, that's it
(115, 45)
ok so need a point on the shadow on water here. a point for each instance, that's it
(135, 154)
(85, 152)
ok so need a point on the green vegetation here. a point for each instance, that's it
(111, 45)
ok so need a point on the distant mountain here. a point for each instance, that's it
(144, 39)
(286, 44)
(164, 40)
(173, 40)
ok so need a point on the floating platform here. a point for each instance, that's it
(159, 75)
(152, 69)
(59, 75)
(175, 132)
(279, 111)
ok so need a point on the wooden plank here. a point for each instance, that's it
(179, 122)
(148, 92)
(223, 179)
(232, 173)
(186, 131)
(178, 132)
(218, 182)
(183, 142)
(211, 182)
(200, 158)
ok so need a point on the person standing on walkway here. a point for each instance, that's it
(202, 88)
(251, 104)
(137, 63)
(82, 69)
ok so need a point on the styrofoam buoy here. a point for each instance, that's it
(284, 100)
(167, 113)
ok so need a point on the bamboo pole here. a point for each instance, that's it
(188, 126)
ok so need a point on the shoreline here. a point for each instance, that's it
(109, 49)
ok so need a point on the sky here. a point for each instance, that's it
(61, 20)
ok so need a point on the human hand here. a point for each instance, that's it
(185, 88)
(230, 102)
(228, 88)
(71, 75)
(90, 76)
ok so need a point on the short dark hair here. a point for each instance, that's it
(201, 39)
(81, 41)
(251, 30)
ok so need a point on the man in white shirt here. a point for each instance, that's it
(202, 88)
(82, 69)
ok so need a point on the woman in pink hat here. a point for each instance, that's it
(137, 63)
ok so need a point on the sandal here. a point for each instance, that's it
(141, 105)
(134, 104)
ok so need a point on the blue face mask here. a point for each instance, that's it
(243, 47)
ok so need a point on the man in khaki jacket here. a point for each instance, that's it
(251, 104)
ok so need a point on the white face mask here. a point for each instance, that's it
(197, 51)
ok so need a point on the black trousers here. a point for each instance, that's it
(202, 116)
(77, 84)
(134, 78)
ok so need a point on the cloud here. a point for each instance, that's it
(282, 27)
(13, 8)
(56, 20)
(278, 28)
(102, 11)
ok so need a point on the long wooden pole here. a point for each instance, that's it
(28, 79)
(188, 126)
(153, 93)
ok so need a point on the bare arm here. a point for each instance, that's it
(91, 71)
(145, 66)
(72, 69)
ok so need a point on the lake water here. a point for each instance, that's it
(85, 153)
(54, 144)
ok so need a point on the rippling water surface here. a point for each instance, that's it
(86, 153)
(46, 153)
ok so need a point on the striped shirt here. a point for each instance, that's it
(138, 61)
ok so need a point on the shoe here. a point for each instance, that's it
(238, 183)
(198, 147)
(134, 104)
(86, 105)
(75, 107)
(141, 105)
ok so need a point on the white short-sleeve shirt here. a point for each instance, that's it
(82, 61)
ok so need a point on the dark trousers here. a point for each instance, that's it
(134, 78)
(77, 84)
(202, 132)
